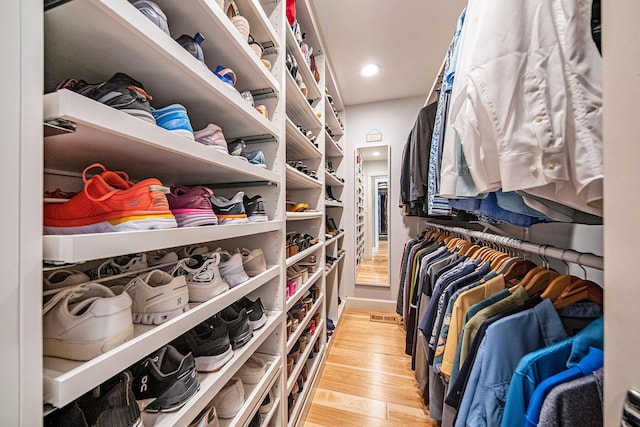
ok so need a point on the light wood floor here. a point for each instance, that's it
(376, 269)
(367, 380)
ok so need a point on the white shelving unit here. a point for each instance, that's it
(124, 143)
(360, 207)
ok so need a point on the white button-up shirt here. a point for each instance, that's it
(527, 100)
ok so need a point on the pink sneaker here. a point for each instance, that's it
(212, 135)
(192, 207)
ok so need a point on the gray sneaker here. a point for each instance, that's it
(231, 268)
(253, 261)
(230, 211)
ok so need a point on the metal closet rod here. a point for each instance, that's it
(568, 255)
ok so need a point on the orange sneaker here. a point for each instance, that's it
(110, 202)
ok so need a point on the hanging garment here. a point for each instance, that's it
(535, 367)
(574, 404)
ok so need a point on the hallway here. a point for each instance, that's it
(367, 380)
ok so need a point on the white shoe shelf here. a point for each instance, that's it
(332, 149)
(334, 239)
(303, 325)
(332, 180)
(212, 383)
(142, 149)
(333, 204)
(77, 248)
(254, 394)
(332, 121)
(298, 108)
(298, 180)
(314, 92)
(304, 399)
(302, 359)
(301, 255)
(297, 216)
(66, 380)
(298, 146)
(130, 43)
(313, 278)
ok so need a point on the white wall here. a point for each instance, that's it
(394, 119)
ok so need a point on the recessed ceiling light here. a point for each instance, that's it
(370, 70)
(376, 153)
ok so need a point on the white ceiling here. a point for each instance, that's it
(407, 38)
(368, 154)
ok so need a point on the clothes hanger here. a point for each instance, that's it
(580, 291)
(517, 269)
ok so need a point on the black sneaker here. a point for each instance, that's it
(168, 378)
(112, 403)
(254, 208)
(238, 148)
(120, 91)
(209, 343)
(255, 311)
(237, 323)
(192, 45)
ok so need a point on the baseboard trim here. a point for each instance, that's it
(380, 305)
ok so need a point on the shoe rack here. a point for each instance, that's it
(305, 153)
(92, 40)
(360, 204)
(334, 208)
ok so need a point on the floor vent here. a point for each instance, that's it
(384, 318)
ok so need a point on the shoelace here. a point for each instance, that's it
(70, 294)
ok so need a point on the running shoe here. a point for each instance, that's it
(238, 148)
(85, 321)
(254, 208)
(237, 324)
(174, 118)
(254, 309)
(231, 268)
(154, 13)
(64, 278)
(120, 92)
(230, 211)
(110, 203)
(157, 297)
(212, 136)
(209, 343)
(253, 261)
(230, 399)
(165, 381)
(188, 251)
(192, 207)
(161, 257)
(208, 417)
(252, 371)
(256, 157)
(202, 276)
(121, 264)
(111, 404)
(192, 45)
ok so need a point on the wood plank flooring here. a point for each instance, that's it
(376, 269)
(367, 380)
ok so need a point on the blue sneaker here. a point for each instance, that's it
(174, 118)
(154, 13)
(256, 157)
(192, 45)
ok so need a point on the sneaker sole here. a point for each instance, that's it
(85, 350)
(135, 223)
(199, 292)
(194, 218)
(258, 218)
(158, 318)
(257, 324)
(213, 363)
(229, 220)
(140, 114)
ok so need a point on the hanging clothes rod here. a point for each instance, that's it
(548, 251)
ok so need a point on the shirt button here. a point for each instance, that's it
(533, 169)
(551, 166)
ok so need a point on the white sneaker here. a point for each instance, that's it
(230, 399)
(64, 278)
(206, 418)
(157, 297)
(231, 267)
(161, 256)
(253, 261)
(202, 275)
(126, 266)
(82, 322)
(252, 371)
(187, 251)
